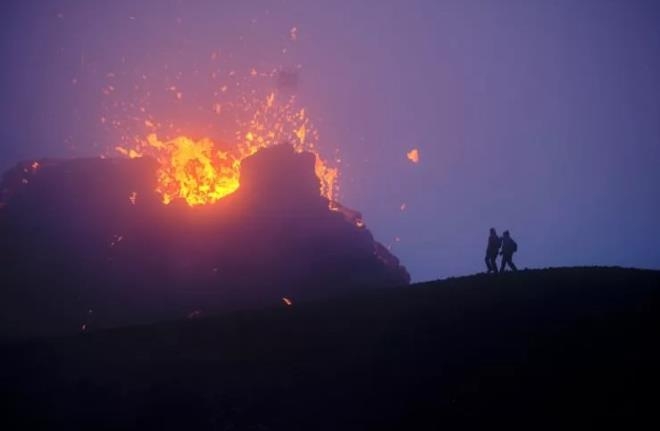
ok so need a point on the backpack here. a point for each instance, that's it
(514, 246)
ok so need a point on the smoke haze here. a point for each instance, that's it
(537, 117)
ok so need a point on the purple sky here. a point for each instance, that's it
(541, 117)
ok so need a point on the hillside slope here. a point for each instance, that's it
(574, 341)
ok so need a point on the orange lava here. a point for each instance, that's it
(200, 173)
(413, 155)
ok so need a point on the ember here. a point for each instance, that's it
(116, 240)
(196, 314)
(413, 155)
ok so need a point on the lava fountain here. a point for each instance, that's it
(200, 172)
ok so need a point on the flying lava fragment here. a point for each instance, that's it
(413, 155)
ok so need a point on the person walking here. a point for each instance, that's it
(492, 248)
(509, 247)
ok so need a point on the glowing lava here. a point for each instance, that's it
(200, 173)
(413, 155)
(193, 170)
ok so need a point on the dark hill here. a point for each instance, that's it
(92, 234)
(574, 343)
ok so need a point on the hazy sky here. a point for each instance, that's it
(541, 117)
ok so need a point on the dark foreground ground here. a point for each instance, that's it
(575, 343)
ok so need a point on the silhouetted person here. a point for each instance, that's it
(492, 248)
(509, 247)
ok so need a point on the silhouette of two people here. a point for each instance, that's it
(504, 246)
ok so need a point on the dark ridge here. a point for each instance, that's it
(573, 343)
(88, 242)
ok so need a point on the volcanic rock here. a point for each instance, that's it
(87, 243)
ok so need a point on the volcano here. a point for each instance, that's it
(88, 243)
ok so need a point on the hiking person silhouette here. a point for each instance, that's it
(492, 248)
(509, 247)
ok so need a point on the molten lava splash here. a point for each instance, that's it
(200, 173)
(328, 177)
(193, 170)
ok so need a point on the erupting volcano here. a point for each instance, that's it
(243, 214)
(89, 243)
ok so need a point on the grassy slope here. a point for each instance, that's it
(561, 341)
